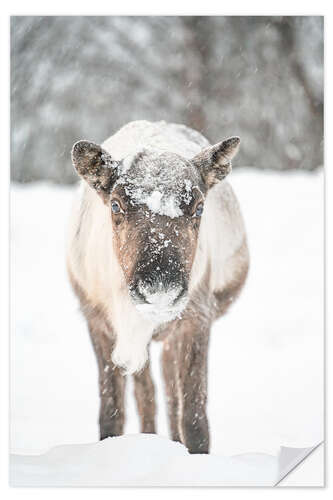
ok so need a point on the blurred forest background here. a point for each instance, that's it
(84, 77)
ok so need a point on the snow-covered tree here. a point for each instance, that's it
(84, 77)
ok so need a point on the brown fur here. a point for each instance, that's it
(181, 232)
(185, 375)
(96, 166)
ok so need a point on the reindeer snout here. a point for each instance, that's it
(160, 295)
(158, 301)
(158, 289)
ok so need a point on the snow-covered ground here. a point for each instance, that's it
(140, 460)
(266, 355)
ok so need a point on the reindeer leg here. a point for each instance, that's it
(171, 382)
(145, 399)
(193, 378)
(112, 414)
(111, 387)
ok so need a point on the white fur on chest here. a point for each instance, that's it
(133, 335)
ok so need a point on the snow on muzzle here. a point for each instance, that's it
(158, 291)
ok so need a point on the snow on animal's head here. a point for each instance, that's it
(155, 200)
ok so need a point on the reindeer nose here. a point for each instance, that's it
(158, 294)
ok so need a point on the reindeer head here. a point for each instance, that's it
(155, 200)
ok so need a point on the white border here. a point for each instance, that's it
(172, 7)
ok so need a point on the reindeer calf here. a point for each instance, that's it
(157, 250)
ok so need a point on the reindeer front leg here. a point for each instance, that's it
(193, 380)
(170, 366)
(112, 415)
(111, 387)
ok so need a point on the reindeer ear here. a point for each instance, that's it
(95, 166)
(214, 162)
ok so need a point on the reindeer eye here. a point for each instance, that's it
(115, 207)
(199, 210)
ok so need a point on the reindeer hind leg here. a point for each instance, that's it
(144, 392)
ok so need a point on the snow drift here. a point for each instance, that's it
(266, 355)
